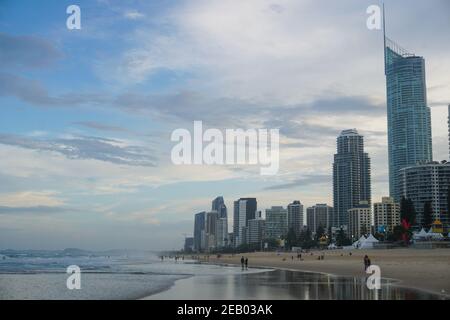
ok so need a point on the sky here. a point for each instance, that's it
(86, 115)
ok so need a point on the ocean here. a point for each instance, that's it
(117, 275)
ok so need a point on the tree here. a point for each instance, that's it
(396, 234)
(305, 239)
(380, 236)
(330, 235)
(319, 233)
(341, 239)
(272, 243)
(291, 238)
(427, 219)
(407, 211)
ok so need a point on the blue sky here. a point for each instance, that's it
(86, 115)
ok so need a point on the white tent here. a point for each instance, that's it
(368, 243)
(420, 235)
(434, 236)
(331, 246)
(358, 243)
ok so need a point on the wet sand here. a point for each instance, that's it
(423, 269)
(284, 285)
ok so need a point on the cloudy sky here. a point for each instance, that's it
(86, 115)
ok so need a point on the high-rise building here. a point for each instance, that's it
(188, 244)
(222, 232)
(244, 210)
(359, 220)
(276, 222)
(408, 115)
(256, 231)
(351, 176)
(230, 239)
(427, 182)
(295, 217)
(218, 205)
(211, 230)
(199, 231)
(386, 215)
(319, 215)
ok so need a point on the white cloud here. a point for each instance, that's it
(31, 199)
(134, 15)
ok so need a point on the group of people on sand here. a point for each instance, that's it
(176, 258)
(244, 263)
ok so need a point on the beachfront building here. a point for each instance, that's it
(409, 120)
(221, 232)
(295, 217)
(256, 231)
(276, 222)
(230, 239)
(188, 244)
(199, 231)
(386, 215)
(319, 215)
(427, 182)
(351, 176)
(244, 210)
(211, 230)
(360, 220)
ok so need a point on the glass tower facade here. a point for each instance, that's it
(218, 205)
(408, 116)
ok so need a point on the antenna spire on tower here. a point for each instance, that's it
(384, 38)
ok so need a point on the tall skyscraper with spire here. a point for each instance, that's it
(351, 176)
(409, 120)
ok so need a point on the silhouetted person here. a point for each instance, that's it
(366, 262)
(246, 263)
(242, 262)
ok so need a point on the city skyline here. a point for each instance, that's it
(86, 121)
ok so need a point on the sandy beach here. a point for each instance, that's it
(422, 269)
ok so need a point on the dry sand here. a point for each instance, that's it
(423, 269)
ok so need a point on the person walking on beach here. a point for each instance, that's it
(366, 262)
(242, 262)
(246, 263)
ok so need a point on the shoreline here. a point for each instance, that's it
(427, 272)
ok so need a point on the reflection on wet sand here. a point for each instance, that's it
(283, 284)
